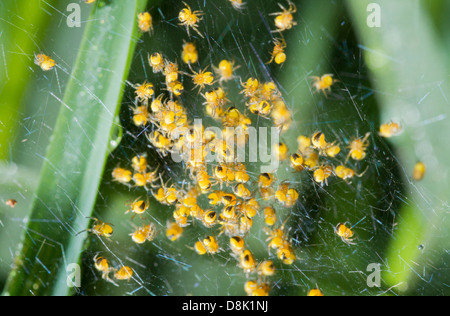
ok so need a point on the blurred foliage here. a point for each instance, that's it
(330, 38)
(418, 97)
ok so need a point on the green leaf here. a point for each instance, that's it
(77, 153)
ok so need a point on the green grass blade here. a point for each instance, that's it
(17, 34)
(77, 153)
(410, 70)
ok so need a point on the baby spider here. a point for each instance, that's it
(140, 115)
(247, 261)
(209, 218)
(322, 173)
(144, 91)
(266, 268)
(144, 178)
(318, 140)
(286, 254)
(207, 245)
(265, 180)
(190, 19)
(419, 171)
(171, 71)
(304, 144)
(262, 108)
(223, 175)
(225, 70)
(332, 150)
(257, 288)
(139, 163)
(281, 116)
(390, 129)
(156, 61)
(280, 151)
(277, 237)
(284, 20)
(138, 206)
(237, 244)
(121, 175)
(323, 83)
(297, 162)
(202, 78)
(124, 273)
(101, 264)
(203, 181)
(11, 203)
(189, 55)
(145, 22)
(286, 196)
(144, 233)
(324, 148)
(215, 100)
(175, 88)
(99, 228)
(160, 142)
(199, 248)
(345, 233)
(358, 148)
(347, 173)
(211, 245)
(181, 214)
(45, 62)
(240, 190)
(278, 54)
(173, 231)
(250, 207)
(270, 216)
(251, 87)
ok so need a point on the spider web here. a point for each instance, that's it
(368, 204)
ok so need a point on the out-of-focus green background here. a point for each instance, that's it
(398, 71)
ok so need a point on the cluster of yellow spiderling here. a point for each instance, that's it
(310, 149)
(226, 184)
(233, 200)
(234, 196)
